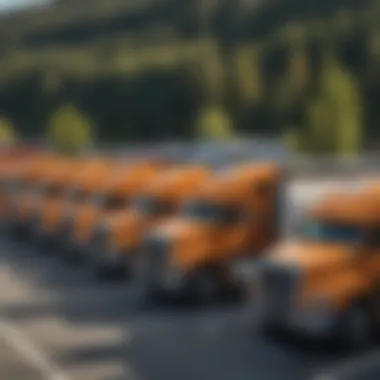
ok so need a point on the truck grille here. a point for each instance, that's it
(279, 285)
(155, 251)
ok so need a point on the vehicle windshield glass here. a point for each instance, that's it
(210, 212)
(331, 232)
(110, 201)
(53, 190)
(150, 206)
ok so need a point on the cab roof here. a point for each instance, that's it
(130, 175)
(358, 207)
(236, 182)
(179, 182)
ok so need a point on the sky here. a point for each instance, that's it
(9, 5)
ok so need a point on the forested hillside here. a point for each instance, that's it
(149, 69)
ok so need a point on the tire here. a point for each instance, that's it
(206, 286)
(355, 330)
(110, 271)
(16, 229)
(39, 240)
(146, 294)
(73, 256)
(374, 304)
(267, 330)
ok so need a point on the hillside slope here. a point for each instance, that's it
(147, 68)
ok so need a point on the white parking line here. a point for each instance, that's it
(30, 352)
(352, 369)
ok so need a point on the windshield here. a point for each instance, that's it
(331, 232)
(53, 190)
(110, 201)
(150, 206)
(209, 211)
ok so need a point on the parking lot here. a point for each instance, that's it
(58, 322)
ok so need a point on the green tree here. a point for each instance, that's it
(335, 114)
(69, 130)
(214, 124)
(293, 87)
(293, 139)
(209, 73)
(247, 75)
(7, 132)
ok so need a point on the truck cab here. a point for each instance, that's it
(117, 239)
(112, 197)
(58, 185)
(76, 180)
(324, 282)
(233, 214)
(25, 189)
(9, 166)
(51, 188)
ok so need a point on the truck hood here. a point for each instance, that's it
(310, 255)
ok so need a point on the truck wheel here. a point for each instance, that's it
(146, 293)
(206, 286)
(375, 311)
(355, 330)
(267, 330)
(111, 269)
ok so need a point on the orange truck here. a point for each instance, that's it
(117, 239)
(232, 215)
(324, 281)
(9, 166)
(27, 181)
(58, 192)
(55, 216)
(112, 197)
(51, 188)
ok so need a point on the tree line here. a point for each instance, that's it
(316, 82)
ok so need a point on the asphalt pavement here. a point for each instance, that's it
(14, 367)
